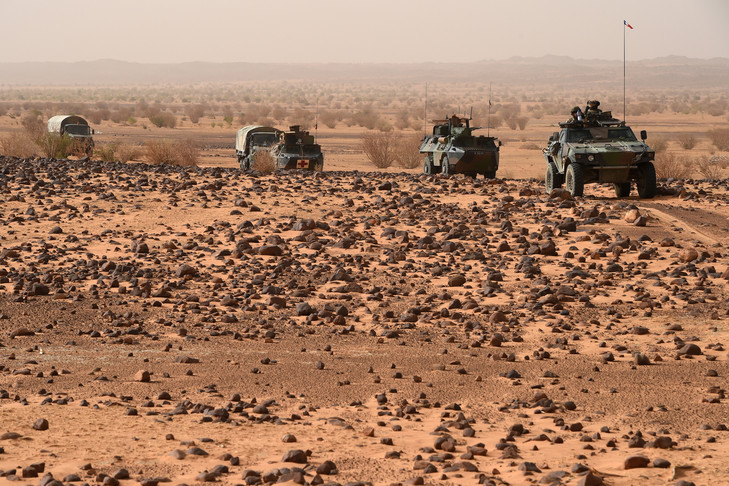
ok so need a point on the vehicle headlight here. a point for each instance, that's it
(591, 158)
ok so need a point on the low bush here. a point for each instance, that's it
(163, 120)
(720, 138)
(407, 151)
(18, 144)
(34, 126)
(181, 152)
(668, 165)
(264, 162)
(686, 140)
(54, 146)
(379, 148)
(126, 152)
(711, 167)
(106, 152)
(658, 143)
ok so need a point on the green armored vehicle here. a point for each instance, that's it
(453, 149)
(252, 138)
(77, 129)
(296, 149)
(595, 147)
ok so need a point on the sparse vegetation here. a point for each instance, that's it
(163, 120)
(711, 167)
(181, 152)
(407, 151)
(18, 144)
(658, 143)
(670, 166)
(264, 162)
(55, 146)
(686, 140)
(720, 138)
(379, 148)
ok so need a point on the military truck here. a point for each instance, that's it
(596, 147)
(453, 149)
(252, 138)
(297, 149)
(77, 129)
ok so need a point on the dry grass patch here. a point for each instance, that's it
(720, 138)
(54, 146)
(18, 144)
(181, 152)
(711, 167)
(686, 140)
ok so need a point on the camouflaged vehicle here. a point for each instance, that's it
(296, 149)
(453, 149)
(77, 129)
(599, 148)
(252, 138)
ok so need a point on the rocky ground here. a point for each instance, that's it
(164, 324)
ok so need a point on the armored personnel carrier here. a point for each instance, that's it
(453, 149)
(595, 147)
(77, 129)
(296, 149)
(252, 138)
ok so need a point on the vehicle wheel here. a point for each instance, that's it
(552, 179)
(646, 180)
(428, 166)
(491, 174)
(445, 166)
(622, 189)
(575, 179)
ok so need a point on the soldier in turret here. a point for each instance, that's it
(592, 108)
(576, 115)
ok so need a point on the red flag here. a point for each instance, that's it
(625, 22)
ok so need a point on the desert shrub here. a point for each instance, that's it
(383, 125)
(303, 118)
(195, 112)
(93, 116)
(181, 152)
(163, 119)
(264, 162)
(379, 148)
(668, 165)
(720, 138)
(106, 152)
(53, 145)
(366, 118)
(658, 143)
(34, 126)
(522, 122)
(686, 140)
(407, 151)
(328, 118)
(18, 144)
(131, 120)
(711, 167)
(126, 152)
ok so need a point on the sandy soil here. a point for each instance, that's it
(196, 325)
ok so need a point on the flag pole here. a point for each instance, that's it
(624, 115)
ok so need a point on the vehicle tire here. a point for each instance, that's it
(445, 166)
(491, 174)
(622, 189)
(575, 179)
(646, 180)
(428, 165)
(552, 179)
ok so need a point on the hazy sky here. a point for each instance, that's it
(358, 31)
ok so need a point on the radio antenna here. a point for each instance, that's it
(425, 112)
(488, 124)
(316, 120)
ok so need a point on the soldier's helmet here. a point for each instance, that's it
(575, 110)
(593, 103)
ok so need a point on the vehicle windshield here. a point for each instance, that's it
(622, 133)
(601, 134)
(263, 139)
(78, 130)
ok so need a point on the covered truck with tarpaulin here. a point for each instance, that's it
(77, 129)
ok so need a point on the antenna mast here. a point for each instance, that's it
(488, 125)
(425, 113)
(316, 120)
